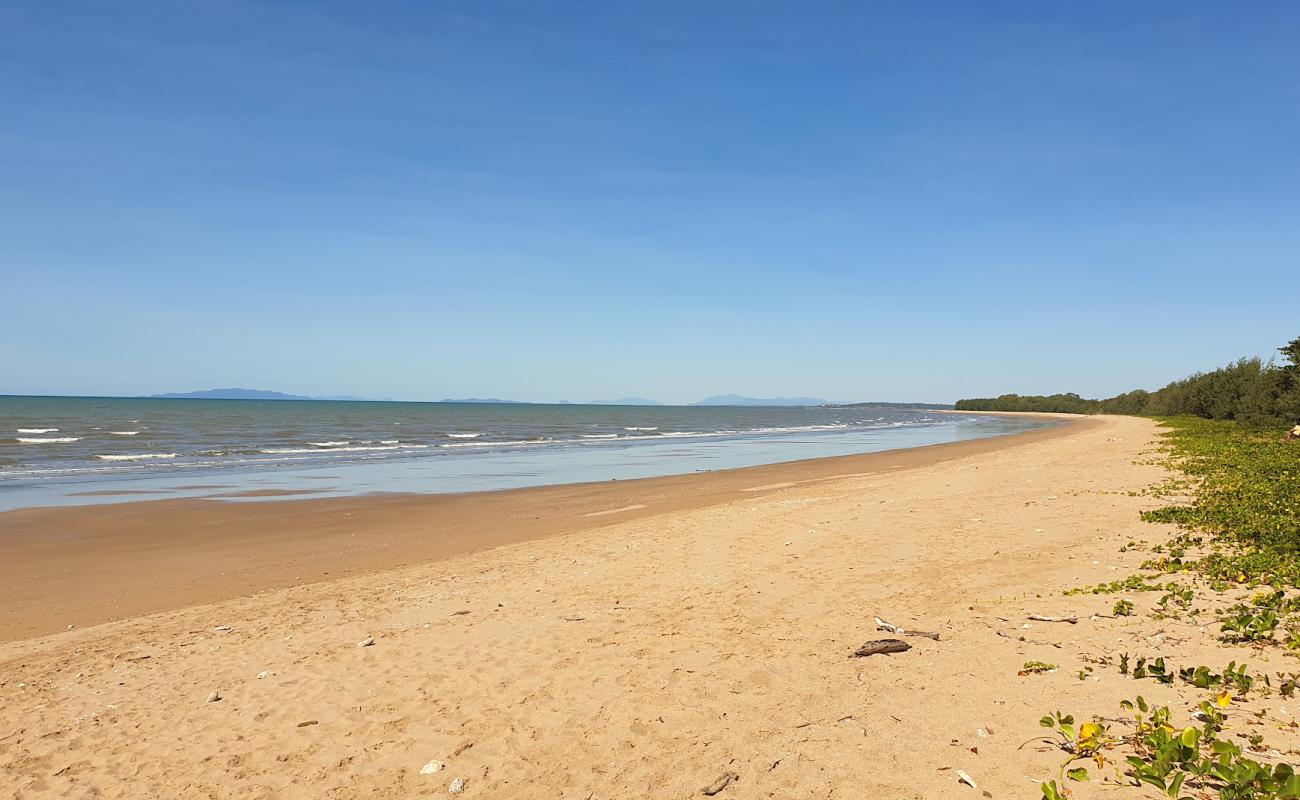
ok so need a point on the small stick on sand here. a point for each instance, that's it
(879, 646)
(721, 783)
(1045, 618)
(881, 625)
(1006, 635)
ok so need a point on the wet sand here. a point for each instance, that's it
(84, 565)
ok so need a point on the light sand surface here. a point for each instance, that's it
(645, 657)
(91, 564)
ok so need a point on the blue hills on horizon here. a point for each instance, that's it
(715, 400)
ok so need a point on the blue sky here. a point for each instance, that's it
(573, 201)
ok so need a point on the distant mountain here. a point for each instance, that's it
(741, 400)
(625, 401)
(487, 400)
(234, 394)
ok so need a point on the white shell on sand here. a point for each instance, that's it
(366, 642)
(214, 697)
(432, 767)
(457, 786)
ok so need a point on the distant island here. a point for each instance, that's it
(741, 400)
(232, 394)
(249, 394)
(716, 400)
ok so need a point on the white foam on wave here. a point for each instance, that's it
(49, 440)
(655, 428)
(389, 441)
(521, 443)
(355, 449)
(464, 435)
(136, 457)
(124, 433)
(327, 444)
(36, 430)
(598, 436)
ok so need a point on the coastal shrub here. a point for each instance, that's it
(1248, 390)
(1179, 762)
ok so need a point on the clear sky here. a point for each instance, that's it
(897, 201)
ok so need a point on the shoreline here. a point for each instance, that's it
(647, 655)
(86, 565)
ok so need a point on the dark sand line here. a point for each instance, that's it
(84, 565)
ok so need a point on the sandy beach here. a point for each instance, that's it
(648, 640)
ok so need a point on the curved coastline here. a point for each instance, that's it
(85, 565)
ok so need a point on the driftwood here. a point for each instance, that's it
(879, 646)
(721, 783)
(1045, 618)
(881, 625)
(1006, 635)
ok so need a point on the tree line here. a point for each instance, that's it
(1248, 391)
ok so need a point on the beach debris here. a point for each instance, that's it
(433, 766)
(213, 697)
(724, 780)
(457, 786)
(460, 613)
(1006, 635)
(962, 777)
(881, 646)
(366, 642)
(222, 629)
(266, 673)
(881, 625)
(1073, 620)
(308, 723)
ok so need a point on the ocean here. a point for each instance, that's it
(56, 450)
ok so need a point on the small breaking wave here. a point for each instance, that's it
(49, 440)
(464, 435)
(655, 428)
(515, 443)
(278, 451)
(37, 430)
(136, 457)
(124, 433)
(598, 436)
(327, 444)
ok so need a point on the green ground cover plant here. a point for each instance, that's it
(1238, 507)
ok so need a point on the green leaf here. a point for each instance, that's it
(1077, 774)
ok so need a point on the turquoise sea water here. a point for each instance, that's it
(56, 450)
